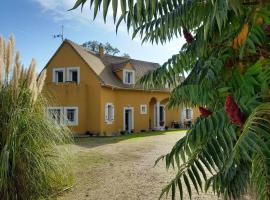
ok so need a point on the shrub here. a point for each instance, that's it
(33, 158)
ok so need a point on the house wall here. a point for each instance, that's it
(132, 98)
(85, 95)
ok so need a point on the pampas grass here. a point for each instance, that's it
(34, 161)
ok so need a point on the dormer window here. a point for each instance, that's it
(129, 77)
(73, 74)
(58, 75)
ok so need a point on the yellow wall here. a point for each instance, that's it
(132, 98)
(86, 95)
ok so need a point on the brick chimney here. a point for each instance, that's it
(101, 50)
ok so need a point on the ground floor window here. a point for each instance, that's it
(188, 113)
(55, 113)
(71, 116)
(64, 115)
(109, 113)
(143, 109)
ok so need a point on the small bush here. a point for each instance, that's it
(122, 132)
(34, 159)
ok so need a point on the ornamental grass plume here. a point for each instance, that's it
(33, 155)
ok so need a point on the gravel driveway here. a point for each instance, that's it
(121, 168)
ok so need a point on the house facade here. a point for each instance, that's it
(96, 93)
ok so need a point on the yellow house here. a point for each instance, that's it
(96, 93)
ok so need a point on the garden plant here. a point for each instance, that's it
(226, 69)
(33, 162)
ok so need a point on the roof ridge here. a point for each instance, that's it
(121, 57)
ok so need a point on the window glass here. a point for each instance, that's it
(59, 76)
(143, 109)
(129, 77)
(188, 113)
(71, 115)
(55, 114)
(74, 76)
(110, 112)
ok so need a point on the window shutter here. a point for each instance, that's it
(106, 113)
(112, 113)
(191, 113)
(183, 116)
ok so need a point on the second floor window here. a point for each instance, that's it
(73, 74)
(58, 75)
(68, 74)
(129, 77)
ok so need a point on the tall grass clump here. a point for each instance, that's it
(33, 154)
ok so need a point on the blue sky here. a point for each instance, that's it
(33, 22)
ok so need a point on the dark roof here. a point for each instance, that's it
(105, 66)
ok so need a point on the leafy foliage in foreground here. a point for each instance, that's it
(227, 59)
(33, 165)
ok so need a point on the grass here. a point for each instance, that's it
(91, 142)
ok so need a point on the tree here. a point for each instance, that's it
(94, 46)
(126, 55)
(91, 45)
(226, 56)
(109, 49)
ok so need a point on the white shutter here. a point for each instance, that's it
(106, 113)
(191, 113)
(183, 115)
(112, 117)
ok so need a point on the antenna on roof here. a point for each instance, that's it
(60, 35)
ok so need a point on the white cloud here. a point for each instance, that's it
(76, 19)
(59, 11)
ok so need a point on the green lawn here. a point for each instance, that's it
(102, 140)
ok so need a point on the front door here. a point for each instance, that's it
(161, 115)
(128, 120)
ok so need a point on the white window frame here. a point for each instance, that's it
(54, 77)
(72, 69)
(107, 119)
(184, 116)
(56, 108)
(141, 109)
(124, 76)
(67, 122)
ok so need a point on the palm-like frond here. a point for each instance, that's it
(226, 55)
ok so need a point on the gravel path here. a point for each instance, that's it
(122, 170)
